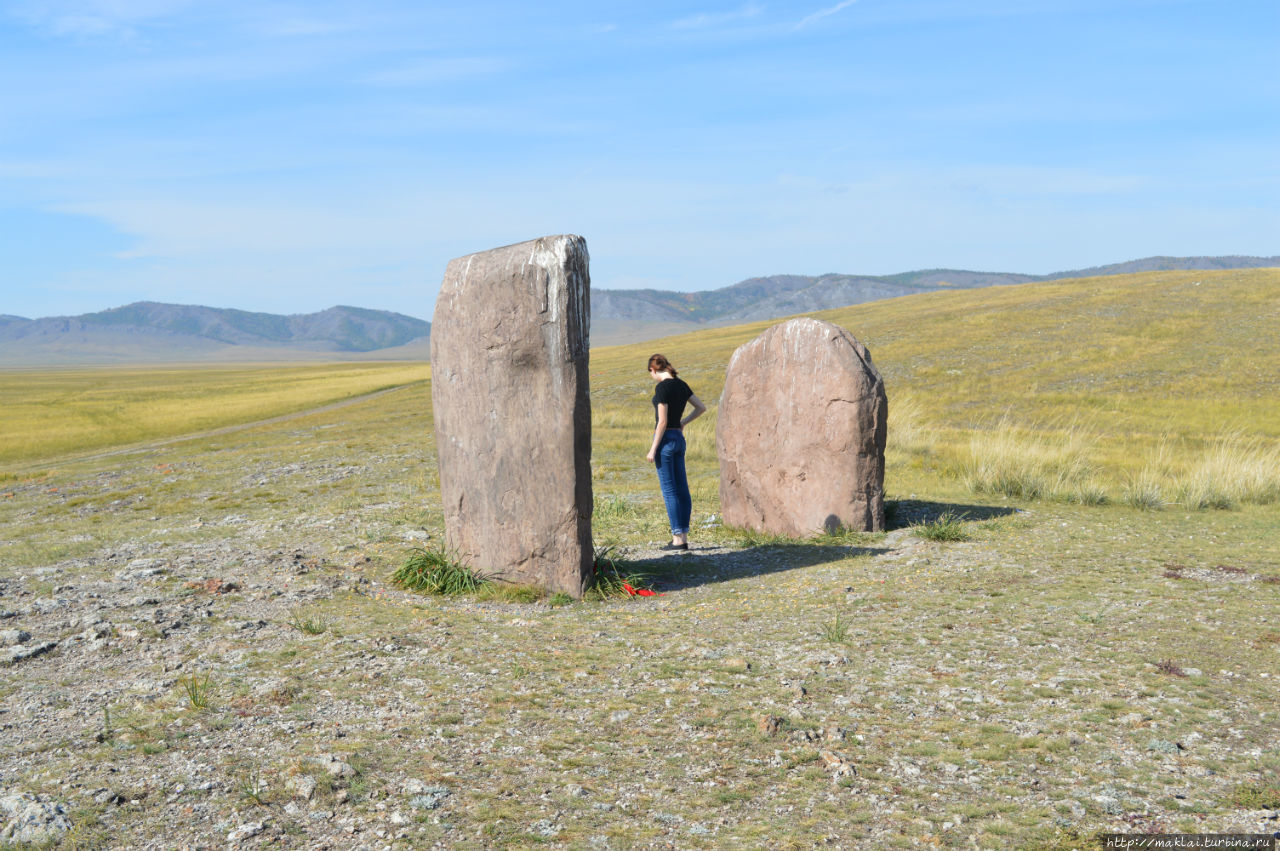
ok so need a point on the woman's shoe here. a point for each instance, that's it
(673, 547)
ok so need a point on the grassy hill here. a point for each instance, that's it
(212, 626)
(1086, 385)
(1120, 374)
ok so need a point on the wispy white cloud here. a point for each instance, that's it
(822, 13)
(715, 19)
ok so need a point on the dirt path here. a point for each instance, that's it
(148, 445)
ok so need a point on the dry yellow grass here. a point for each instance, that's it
(1098, 373)
(56, 412)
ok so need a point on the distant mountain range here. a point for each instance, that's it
(150, 332)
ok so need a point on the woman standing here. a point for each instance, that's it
(667, 451)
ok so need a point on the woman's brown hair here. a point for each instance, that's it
(659, 363)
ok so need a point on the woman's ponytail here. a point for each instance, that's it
(659, 363)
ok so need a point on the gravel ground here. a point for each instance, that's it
(202, 649)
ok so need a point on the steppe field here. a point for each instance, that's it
(1071, 628)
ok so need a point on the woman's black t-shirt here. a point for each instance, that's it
(674, 393)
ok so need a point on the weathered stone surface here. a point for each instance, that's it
(11, 637)
(13, 655)
(509, 348)
(801, 432)
(26, 818)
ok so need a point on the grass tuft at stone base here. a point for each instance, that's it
(437, 571)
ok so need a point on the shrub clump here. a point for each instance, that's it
(1144, 492)
(1257, 796)
(1007, 460)
(1234, 470)
(438, 571)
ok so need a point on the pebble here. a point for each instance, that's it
(769, 725)
(95, 632)
(142, 568)
(303, 786)
(10, 637)
(335, 766)
(430, 797)
(836, 764)
(245, 831)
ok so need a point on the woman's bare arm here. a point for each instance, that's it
(698, 410)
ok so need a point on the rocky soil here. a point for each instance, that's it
(202, 648)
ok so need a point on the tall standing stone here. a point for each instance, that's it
(509, 389)
(801, 433)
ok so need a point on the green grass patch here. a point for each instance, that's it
(948, 527)
(1255, 796)
(197, 689)
(505, 592)
(836, 630)
(438, 571)
(308, 623)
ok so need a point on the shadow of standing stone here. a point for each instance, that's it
(801, 433)
(509, 389)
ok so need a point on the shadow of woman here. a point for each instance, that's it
(694, 568)
(689, 570)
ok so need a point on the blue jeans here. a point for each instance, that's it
(675, 484)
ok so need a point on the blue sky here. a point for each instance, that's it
(287, 157)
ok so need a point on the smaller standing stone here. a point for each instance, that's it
(801, 433)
